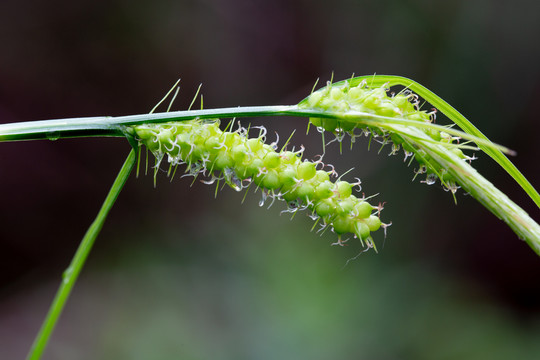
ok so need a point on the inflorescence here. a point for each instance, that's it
(240, 161)
(343, 98)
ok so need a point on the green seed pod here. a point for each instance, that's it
(421, 156)
(325, 207)
(373, 222)
(458, 152)
(346, 125)
(315, 98)
(306, 170)
(336, 94)
(254, 167)
(361, 230)
(446, 176)
(396, 139)
(445, 137)
(362, 209)
(322, 175)
(241, 171)
(271, 180)
(372, 101)
(223, 160)
(408, 148)
(416, 116)
(344, 189)
(254, 144)
(329, 124)
(200, 136)
(271, 160)
(230, 139)
(289, 193)
(288, 157)
(434, 134)
(324, 190)
(356, 94)
(388, 109)
(316, 122)
(212, 145)
(346, 206)
(401, 101)
(343, 224)
(305, 191)
(239, 153)
(287, 176)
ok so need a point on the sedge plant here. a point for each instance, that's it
(240, 157)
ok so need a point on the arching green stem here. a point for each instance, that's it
(119, 125)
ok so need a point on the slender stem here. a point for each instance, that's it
(117, 126)
(71, 273)
(120, 125)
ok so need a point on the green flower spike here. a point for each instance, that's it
(238, 160)
(363, 103)
(346, 99)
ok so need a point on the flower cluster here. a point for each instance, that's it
(343, 98)
(237, 159)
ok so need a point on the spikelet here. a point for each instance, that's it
(342, 98)
(233, 157)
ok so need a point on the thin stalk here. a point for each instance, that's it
(72, 272)
(117, 126)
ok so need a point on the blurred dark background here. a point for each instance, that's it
(179, 274)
